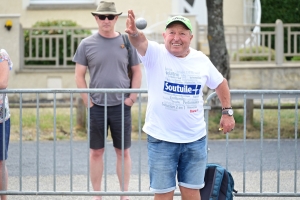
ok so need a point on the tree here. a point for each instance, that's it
(216, 38)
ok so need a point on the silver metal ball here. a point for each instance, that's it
(140, 23)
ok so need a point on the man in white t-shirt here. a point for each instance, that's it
(176, 75)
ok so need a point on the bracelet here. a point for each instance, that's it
(226, 108)
(135, 35)
(131, 99)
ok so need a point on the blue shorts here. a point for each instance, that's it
(165, 159)
(7, 135)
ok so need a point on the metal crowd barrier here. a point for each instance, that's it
(261, 96)
(50, 157)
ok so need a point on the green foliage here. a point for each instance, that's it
(252, 50)
(253, 131)
(55, 23)
(45, 127)
(51, 43)
(239, 118)
(288, 11)
(216, 116)
(296, 58)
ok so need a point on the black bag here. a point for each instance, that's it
(219, 184)
(127, 45)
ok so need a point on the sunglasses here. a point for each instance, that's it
(103, 17)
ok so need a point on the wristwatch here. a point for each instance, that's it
(227, 112)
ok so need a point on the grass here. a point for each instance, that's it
(269, 127)
(44, 127)
(61, 130)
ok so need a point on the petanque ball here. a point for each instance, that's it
(140, 23)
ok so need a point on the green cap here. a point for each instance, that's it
(181, 19)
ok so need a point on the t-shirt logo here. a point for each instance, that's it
(181, 88)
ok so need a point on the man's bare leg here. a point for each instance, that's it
(96, 169)
(3, 187)
(164, 196)
(127, 169)
(189, 194)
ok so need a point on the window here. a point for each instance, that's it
(61, 4)
(61, 1)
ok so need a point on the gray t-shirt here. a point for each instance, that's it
(107, 61)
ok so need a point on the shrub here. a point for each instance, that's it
(51, 51)
(254, 50)
(286, 10)
(296, 58)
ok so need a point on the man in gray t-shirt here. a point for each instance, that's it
(106, 57)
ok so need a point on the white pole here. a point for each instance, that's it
(279, 42)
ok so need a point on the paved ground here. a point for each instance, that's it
(75, 178)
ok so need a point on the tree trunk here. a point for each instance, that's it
(216, 37)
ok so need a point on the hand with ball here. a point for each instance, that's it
(140, 23)
(133, 24)
(136, 37)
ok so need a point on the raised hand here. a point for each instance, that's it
(130, 23)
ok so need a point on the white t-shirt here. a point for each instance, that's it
(175, 98)
(3, 97)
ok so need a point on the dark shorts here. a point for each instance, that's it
(114, 122)
(7, 135)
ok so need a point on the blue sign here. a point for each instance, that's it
(181, 88)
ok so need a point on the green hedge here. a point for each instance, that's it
(288, 11)
(56, 31)
(296, 58)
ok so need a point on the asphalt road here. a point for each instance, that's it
(23, 170)
(217, 154)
